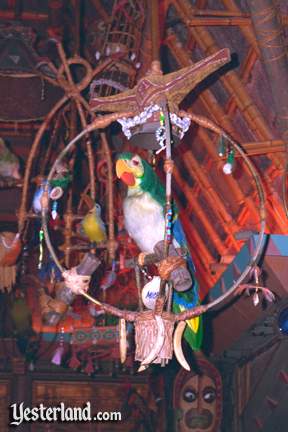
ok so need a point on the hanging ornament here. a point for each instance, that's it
(256, 288)
(56, 193)
(57, 357)
(228, 166)
(54, 210)
(36, 204)
(41, 239)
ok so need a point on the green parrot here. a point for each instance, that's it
(144, 217)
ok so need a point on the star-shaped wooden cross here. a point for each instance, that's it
(156, 88)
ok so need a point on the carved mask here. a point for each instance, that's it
(198, 399)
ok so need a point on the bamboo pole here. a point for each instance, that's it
(264, 147)
(154, 10)
(68, 217)
(218, 21)
(111, 234)
(219, 13)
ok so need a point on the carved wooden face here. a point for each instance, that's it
(198, 401)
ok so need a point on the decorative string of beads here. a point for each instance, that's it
(168, 225)
(127, 123)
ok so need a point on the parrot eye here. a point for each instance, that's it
(135, 162)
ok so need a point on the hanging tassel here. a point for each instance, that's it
(41, 238)
(57, 357)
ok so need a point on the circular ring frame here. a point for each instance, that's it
(260, 190)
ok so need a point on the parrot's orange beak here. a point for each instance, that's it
(124, 172)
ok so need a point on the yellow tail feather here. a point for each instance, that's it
(193, 323)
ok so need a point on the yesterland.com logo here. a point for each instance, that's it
(19, 414)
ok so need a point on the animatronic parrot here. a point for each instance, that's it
(93, 226)
(144, 216)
